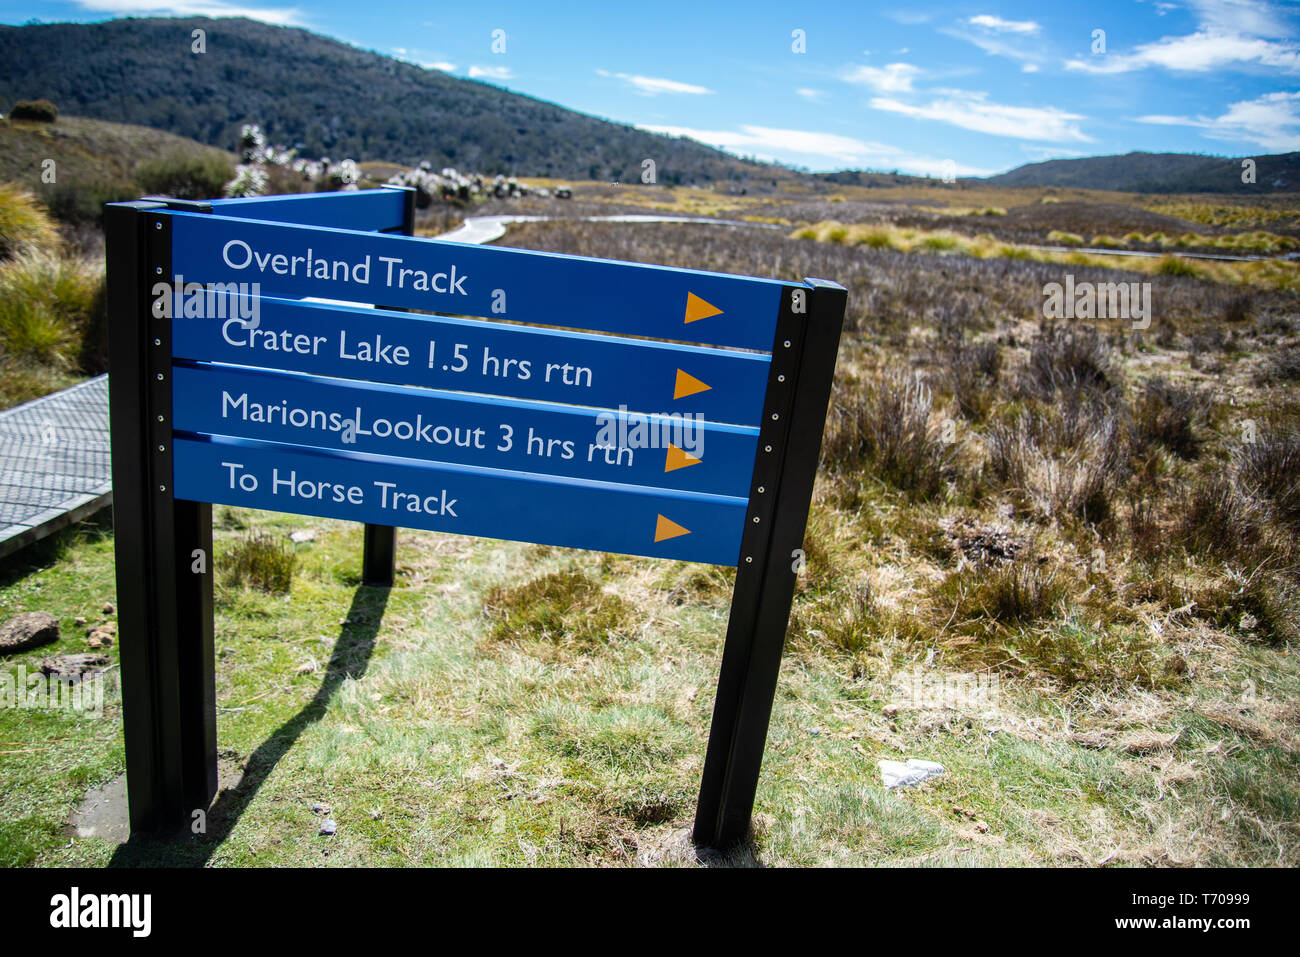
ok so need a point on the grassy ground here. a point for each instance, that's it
(1059, 560)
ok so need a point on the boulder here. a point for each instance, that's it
(31, 629)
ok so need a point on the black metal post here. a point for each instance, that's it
(379, 552)
(163, 548)
(798, 392)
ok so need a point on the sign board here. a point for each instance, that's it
(482, 391)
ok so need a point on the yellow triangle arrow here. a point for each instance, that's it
(687, 384)
(697, 308)
(666, 528)
(678, 459)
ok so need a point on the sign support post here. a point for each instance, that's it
(379, 551)
(163, 546)
(803, 366)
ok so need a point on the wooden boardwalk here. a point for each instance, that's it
(54, 463)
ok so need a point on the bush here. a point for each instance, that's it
(24, 225)
(262, 561)
(1015, 593)
(1269, 467)
(1080, 482)
(1176, 266)
(1068, 362)
(970, 373)
(46, 302)
(84, 201)
(884, 426)
(563, 609)
(1220, 521)
(185, 175)
(1169, 415)
(43, 111)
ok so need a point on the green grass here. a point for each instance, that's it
(434, 737)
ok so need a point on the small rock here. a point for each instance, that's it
(108, 608)
(79, 622)
(328, 827)
(318, 808)
(31, 629)
(890, 710)
(815, 731)
(305, 535)
(101, 637)
(73, 668)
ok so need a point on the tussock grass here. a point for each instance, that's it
(24, 224)
(882, 426)
(564, 611)
(46, 300)
(1268, 273)
(262, 561)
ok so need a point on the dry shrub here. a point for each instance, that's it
(969, 371)
(1169, 415)
(1269, 468)
(1067, 363)
(882, 426)
(1079, 483)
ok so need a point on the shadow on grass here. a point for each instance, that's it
(350, 659)
(47, 552)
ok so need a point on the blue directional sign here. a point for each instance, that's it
(678, 452)
(489, 282)
(365, 209)
(515, 506)
(471, 355)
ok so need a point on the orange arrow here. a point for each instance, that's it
(687, 384)
(697, 308)
(666, 528)
(678, 459)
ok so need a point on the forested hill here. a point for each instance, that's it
(1160, 173)
(328, 99)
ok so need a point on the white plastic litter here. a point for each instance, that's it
(897, 774)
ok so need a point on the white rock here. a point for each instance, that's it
(897, 774)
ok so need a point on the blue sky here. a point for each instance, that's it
(976, 87)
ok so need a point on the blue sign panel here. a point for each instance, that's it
(465, 280)
(356, 487)
(470, 355)
(369, 210)
(678, 452)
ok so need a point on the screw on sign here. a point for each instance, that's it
(674, 414)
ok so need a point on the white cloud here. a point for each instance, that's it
(893, 78)
(1229, 32)
(440, 65)
(845, 151)
(1029, 68)
(973, 111)
(998, 25)
(810, 94)
(653, 86)
(1271, 121)
(280, 16)
(490, 73)
(998, 37)
(1196, 53)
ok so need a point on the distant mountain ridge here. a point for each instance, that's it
(329, 99)
(1160, 173)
